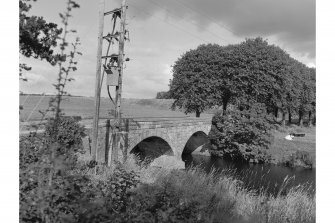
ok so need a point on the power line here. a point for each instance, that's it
(181, 29)
(208, 17)
(189, 21)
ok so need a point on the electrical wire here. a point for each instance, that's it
(189, 21)
(171, 24)
(204, 14)
(35, 108)
(25, 99)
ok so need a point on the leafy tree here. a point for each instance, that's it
(196, 79)
(37, 37)
(293, 86)
(241, 134)
(261, 71)
(312, 75)
(306, 95)
(163, 95)
(301, 92)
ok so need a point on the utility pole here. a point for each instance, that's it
(114, 72)
(118, 89)
(97, 82)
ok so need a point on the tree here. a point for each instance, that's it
(242, 135)
(197, 79)
(306, 94)
(312, 75)
(261, 72)
(163, 95)
(37, 37)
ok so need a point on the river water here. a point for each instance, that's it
(268, 178)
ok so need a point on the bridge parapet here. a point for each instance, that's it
(136, 124)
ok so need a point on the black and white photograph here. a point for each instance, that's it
(168, 111)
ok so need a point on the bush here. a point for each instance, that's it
(299, 158)
(242, 134)
(66, 130)
(47, 192)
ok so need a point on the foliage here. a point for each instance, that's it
(73, 196)
(47, 193)
(194, 85)
(68, 134)
(241, 134)
(299, 158)
(163, 95)
(37, 36)
(109, 198)
(195, 196)
(262, 72)
(246, 73)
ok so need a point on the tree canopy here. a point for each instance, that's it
(37, 37)
(195, 79)
(242, 74)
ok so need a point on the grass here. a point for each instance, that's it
(84, 107)
(202, 197)
(283, 150)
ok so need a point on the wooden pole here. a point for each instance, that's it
(97, 81)
(120, 65)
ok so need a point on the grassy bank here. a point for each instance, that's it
(133, 192)
(191, 195)
(300, 151)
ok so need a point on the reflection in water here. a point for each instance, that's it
(256, 176)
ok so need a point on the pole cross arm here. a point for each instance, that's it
(113, 56)
(116, 12)
(109, 37)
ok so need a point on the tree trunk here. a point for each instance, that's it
(197, 113)
(283, 121)
(224, 104)
(310, 118)
(301, 121)
(276, 113)
(289, 116)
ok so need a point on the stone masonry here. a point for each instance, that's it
(175, 131)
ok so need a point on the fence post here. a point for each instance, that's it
(107, 146)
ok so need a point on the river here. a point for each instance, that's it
(259, 177)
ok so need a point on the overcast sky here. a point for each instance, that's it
(162, 30)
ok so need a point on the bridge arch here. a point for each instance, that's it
(197, 142)
(151, 148)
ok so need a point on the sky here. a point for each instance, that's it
(162, 30)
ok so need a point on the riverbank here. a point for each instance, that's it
(171, 195)
(301, 151)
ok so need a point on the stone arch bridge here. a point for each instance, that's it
(178, 134)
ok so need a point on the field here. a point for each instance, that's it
(282, 149)
(84, 107)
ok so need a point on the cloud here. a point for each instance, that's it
(292, 21)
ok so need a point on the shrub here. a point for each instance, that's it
(242, 134)
(109, 198)
(299, 158)
(47, 192)
(66, 130)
